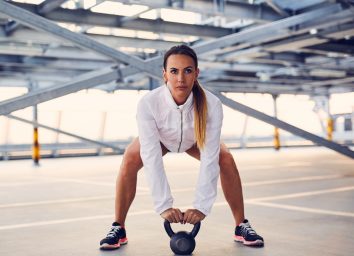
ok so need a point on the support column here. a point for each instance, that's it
(7, 135)
(276, 129)
(102, 131)
(329, 121)
(36, 146)
(243, 139)
(219, 6)
(57, 134)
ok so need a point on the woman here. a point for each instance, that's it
(179, 117)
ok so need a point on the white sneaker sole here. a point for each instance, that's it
(114, 246)
(240, 239)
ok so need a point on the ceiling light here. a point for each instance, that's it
(264, 77)
(313, 31)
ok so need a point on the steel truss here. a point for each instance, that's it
(152, 67)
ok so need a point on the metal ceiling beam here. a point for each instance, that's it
(345, 80)
(268, 30)
(43, 24)
(283, 125)
(335, 47)
(86, 17)
(337, 20)
(84, 81)
(276, 8)
(232, 10)
(89, 80)
(99, 143)
(50, 63)
(222, 84)
(49, 5)
(11, 27)
(298, 5)
(293, 43)
(55, 52)
(24, 35)
(240, 10)
(26, 82)
(304, 41)
(45, 7)
(289, 24)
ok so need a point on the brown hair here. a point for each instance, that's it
(199, 98)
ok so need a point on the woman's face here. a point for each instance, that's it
(180, 75)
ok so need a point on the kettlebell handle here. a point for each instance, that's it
(170, 232)
(168, 228)
(195, 229)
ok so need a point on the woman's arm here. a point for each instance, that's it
(151, 155)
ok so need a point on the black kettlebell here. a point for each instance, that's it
(182, 242)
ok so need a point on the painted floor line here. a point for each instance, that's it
(26, 183)
(254, 201)
(270, 182)
(62, 221)
(80, 199)
(112, 184)
(297, 164)
(258, 167)
(52, 222)
(302, 209)
(109, 184)
(280, 181)
(142, 191)
(59, 201)
(304, 194)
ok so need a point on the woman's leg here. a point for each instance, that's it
(127, 179)
(230, 181)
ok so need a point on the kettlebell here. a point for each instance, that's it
(182, 242)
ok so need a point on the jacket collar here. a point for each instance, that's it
(171, 102)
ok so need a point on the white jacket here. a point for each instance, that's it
(161, 120)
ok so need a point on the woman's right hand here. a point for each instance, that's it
(173, 215)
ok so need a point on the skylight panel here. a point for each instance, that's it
(136, 50)
(99, 30)
(29, 1)
(123, 32)
(180, 16)
(147, 35)
(116, 8)
(151, 15)
(70, 26)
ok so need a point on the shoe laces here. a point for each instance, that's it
(247, 229)
(114, 231)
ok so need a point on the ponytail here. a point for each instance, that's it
(200, 114)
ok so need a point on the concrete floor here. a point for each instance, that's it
(300, 200)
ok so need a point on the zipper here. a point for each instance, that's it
(180, 143)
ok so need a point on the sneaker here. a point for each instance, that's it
(245, 234)
(115, 238)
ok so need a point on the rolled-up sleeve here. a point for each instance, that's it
(206, 190)
(151, 155)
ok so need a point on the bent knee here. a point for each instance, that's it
(131, 158)
(225, 157)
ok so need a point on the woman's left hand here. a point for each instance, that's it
(193, 216)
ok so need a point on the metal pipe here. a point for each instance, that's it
(283, 125)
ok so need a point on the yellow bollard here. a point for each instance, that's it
(36, 147)
(276, 138)
(330, 129)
